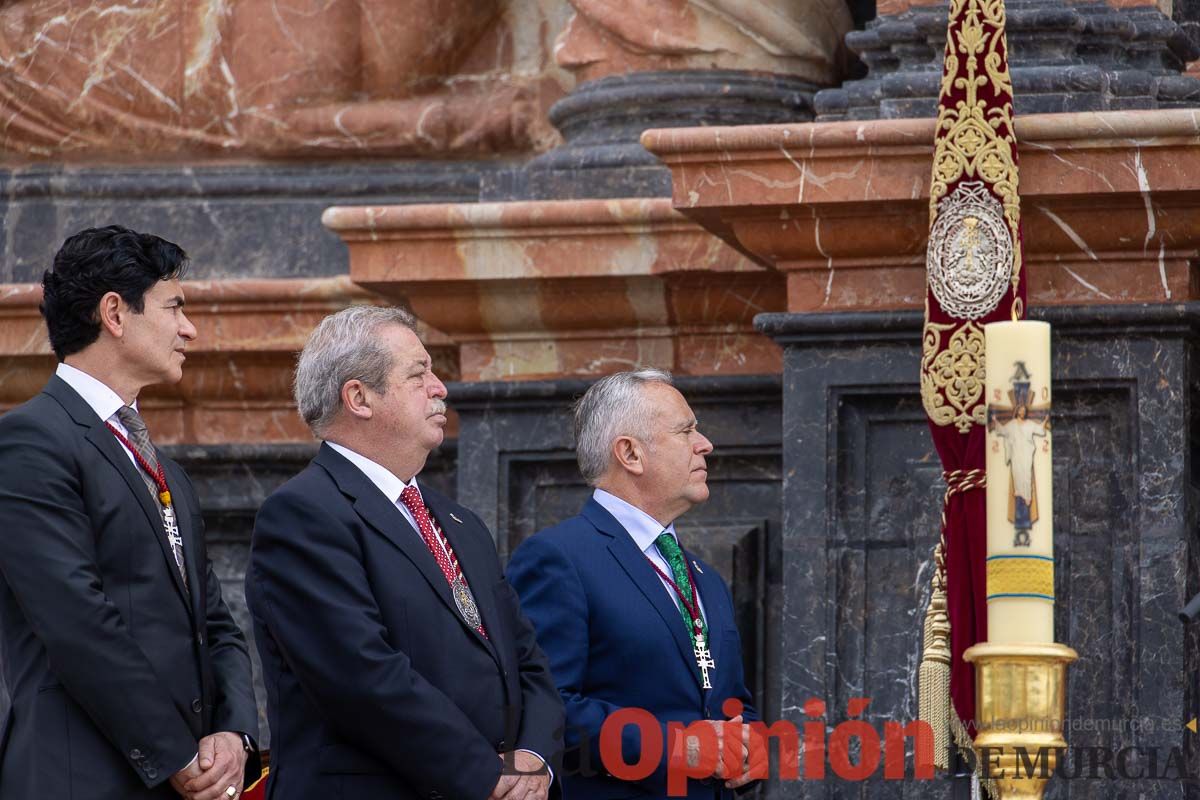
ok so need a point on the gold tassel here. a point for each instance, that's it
(933, 688)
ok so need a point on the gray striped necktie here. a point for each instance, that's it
(139, 437)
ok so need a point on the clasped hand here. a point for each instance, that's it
(220, 763)
(529, 781)
(750, 763)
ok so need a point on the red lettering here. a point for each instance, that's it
(868, 739)
(612, 754)
(814, 741)
(893, 750)
(698, 761)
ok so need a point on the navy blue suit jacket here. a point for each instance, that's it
(377, 689)
(615, 639)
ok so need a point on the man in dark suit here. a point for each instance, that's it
(627, 617)
(397, 660)
(128, 676)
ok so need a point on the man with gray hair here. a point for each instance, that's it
(627, 616)
(396, 658)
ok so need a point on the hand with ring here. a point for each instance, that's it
(222, 761)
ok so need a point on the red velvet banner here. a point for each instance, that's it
(974, 276)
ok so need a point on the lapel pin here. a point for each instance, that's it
(697, 566)
(456, 519)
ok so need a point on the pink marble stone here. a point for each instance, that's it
(1109, 204)
(567, 288)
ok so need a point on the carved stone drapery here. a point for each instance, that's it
(181, 78)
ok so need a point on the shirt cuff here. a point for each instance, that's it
(539, 758)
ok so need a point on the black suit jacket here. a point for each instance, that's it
(376, 687)
(115, 672)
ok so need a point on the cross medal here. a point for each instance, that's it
(704, 658)
(168, 515)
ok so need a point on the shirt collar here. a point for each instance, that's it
(102, 399)
(381, 476)
(641, 526)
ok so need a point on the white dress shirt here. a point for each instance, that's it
(644, 530)
(103, 400)
(384, 480)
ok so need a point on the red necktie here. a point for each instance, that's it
(443, 553)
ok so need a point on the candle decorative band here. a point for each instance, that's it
(1020, 576)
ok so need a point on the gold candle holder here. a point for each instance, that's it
(1020, 702)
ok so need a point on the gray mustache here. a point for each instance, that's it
(437, 406)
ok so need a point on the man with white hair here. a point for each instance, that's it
(626, 615)
(396, 658)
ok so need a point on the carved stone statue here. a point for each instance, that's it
(802, 38)
(275, 78)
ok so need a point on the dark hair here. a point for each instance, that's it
(93, 263)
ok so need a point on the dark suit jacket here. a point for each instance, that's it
(615, 640)
(376, 687)
(114, 671)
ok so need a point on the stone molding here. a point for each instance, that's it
(1110, 205)
(236, 383)
(1064, 56)
(541, 289)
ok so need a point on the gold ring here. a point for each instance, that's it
(231, 791)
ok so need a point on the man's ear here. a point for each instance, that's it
(356, 399)
(629, 453)
(111, 314)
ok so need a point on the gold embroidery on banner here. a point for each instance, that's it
(978, 142)
(952, 379)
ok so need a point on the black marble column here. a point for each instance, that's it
(602, 122)
(517, 470)
(861, 496)
(1063, 57)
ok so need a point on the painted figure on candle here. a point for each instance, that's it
(1019, 426)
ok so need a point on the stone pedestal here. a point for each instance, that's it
(862, 496)
(1063, 57)
(567, 289)
(1110, 205)
(1111, 209)
(673, 64)
(602, 120)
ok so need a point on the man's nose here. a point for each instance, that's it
(186, 329)
(436, 387)
(704, 446)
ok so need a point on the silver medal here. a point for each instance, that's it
(465, 602)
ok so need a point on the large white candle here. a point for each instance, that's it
(1020, 508)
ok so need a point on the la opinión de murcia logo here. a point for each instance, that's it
(853, 750)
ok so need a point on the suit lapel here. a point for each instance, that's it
(103, 440)
(375, 509)
(453, 521)
(633, 561)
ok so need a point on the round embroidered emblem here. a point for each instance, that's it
(970, 257)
